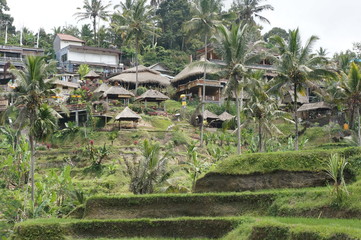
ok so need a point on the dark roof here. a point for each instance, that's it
(127, 114)
(96, 49)
(314, 106)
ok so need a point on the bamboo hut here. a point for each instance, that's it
(211, 118)
(128, 115)
(152, 96)
(146, 77)
(118, 93)
(225, 116)
(190, 81)
(314, 110)
(102, 88)
(91, 75)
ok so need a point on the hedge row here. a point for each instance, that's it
(310, 160)
(169, 228)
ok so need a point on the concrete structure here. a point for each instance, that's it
(71, 53)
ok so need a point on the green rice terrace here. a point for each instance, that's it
(178, 119)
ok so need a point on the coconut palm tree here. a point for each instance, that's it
(297, 67)
(238, 53)
(93, 9)
(205, 16)
(351, 94)
(136, 22)
(30, 98)
(248, 10)
(263, 109)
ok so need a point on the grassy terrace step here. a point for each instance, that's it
(242, 228)
(314, 202)
(83, 229)
(257, 171)
(177, 205)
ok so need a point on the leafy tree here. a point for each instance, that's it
(150, 170)
(87, 35)
(296, 67)
(83, 70)
(31, 96)
(263, 109)
(205, 16)
(275, 31)
(238, 52)
(248, 10)
(135, 22)
(351, 95)
(343, 60)
(173, 14)
(93, 9)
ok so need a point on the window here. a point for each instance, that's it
(64, 57)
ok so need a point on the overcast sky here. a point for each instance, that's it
(335, 22)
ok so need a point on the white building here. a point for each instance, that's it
(71, 53)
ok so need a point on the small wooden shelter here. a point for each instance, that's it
(210, 117)
(225, 116)
(91, 75)
(118, 93)
(313, 110)
(102, 88)
(152, 96)
(128, 115)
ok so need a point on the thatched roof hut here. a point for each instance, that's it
(152, 96)
(209, 116)
(102, 88)
(146, 76)
(128, 115)
(91, 75)
(118, 92)
(225, 116)
(314, 106)
(191, 72)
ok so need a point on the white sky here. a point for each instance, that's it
(335, 22)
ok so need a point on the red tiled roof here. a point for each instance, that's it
(66, 37)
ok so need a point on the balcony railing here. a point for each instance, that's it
(11, 59)
(199, 82)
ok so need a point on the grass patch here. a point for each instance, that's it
(309, 160)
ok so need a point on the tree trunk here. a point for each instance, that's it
(204, 89)
(136, 64)
(32, 167)
(95, 29)
(358, 127)
(295, 113)
(260, 140)
(238, 123)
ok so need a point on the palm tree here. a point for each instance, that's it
(237, 52)
(93, 9)
(263, 109)
(296, 67)
(248, 10)
(205, 17)
(351, 95)
(136, 21)
(31, 96)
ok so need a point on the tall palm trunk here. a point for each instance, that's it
(260, 139)
(136, 63)
(95, 29)
(295, 113)
(238, 117)
(358, 127)
(204, 89)
(32, 166)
